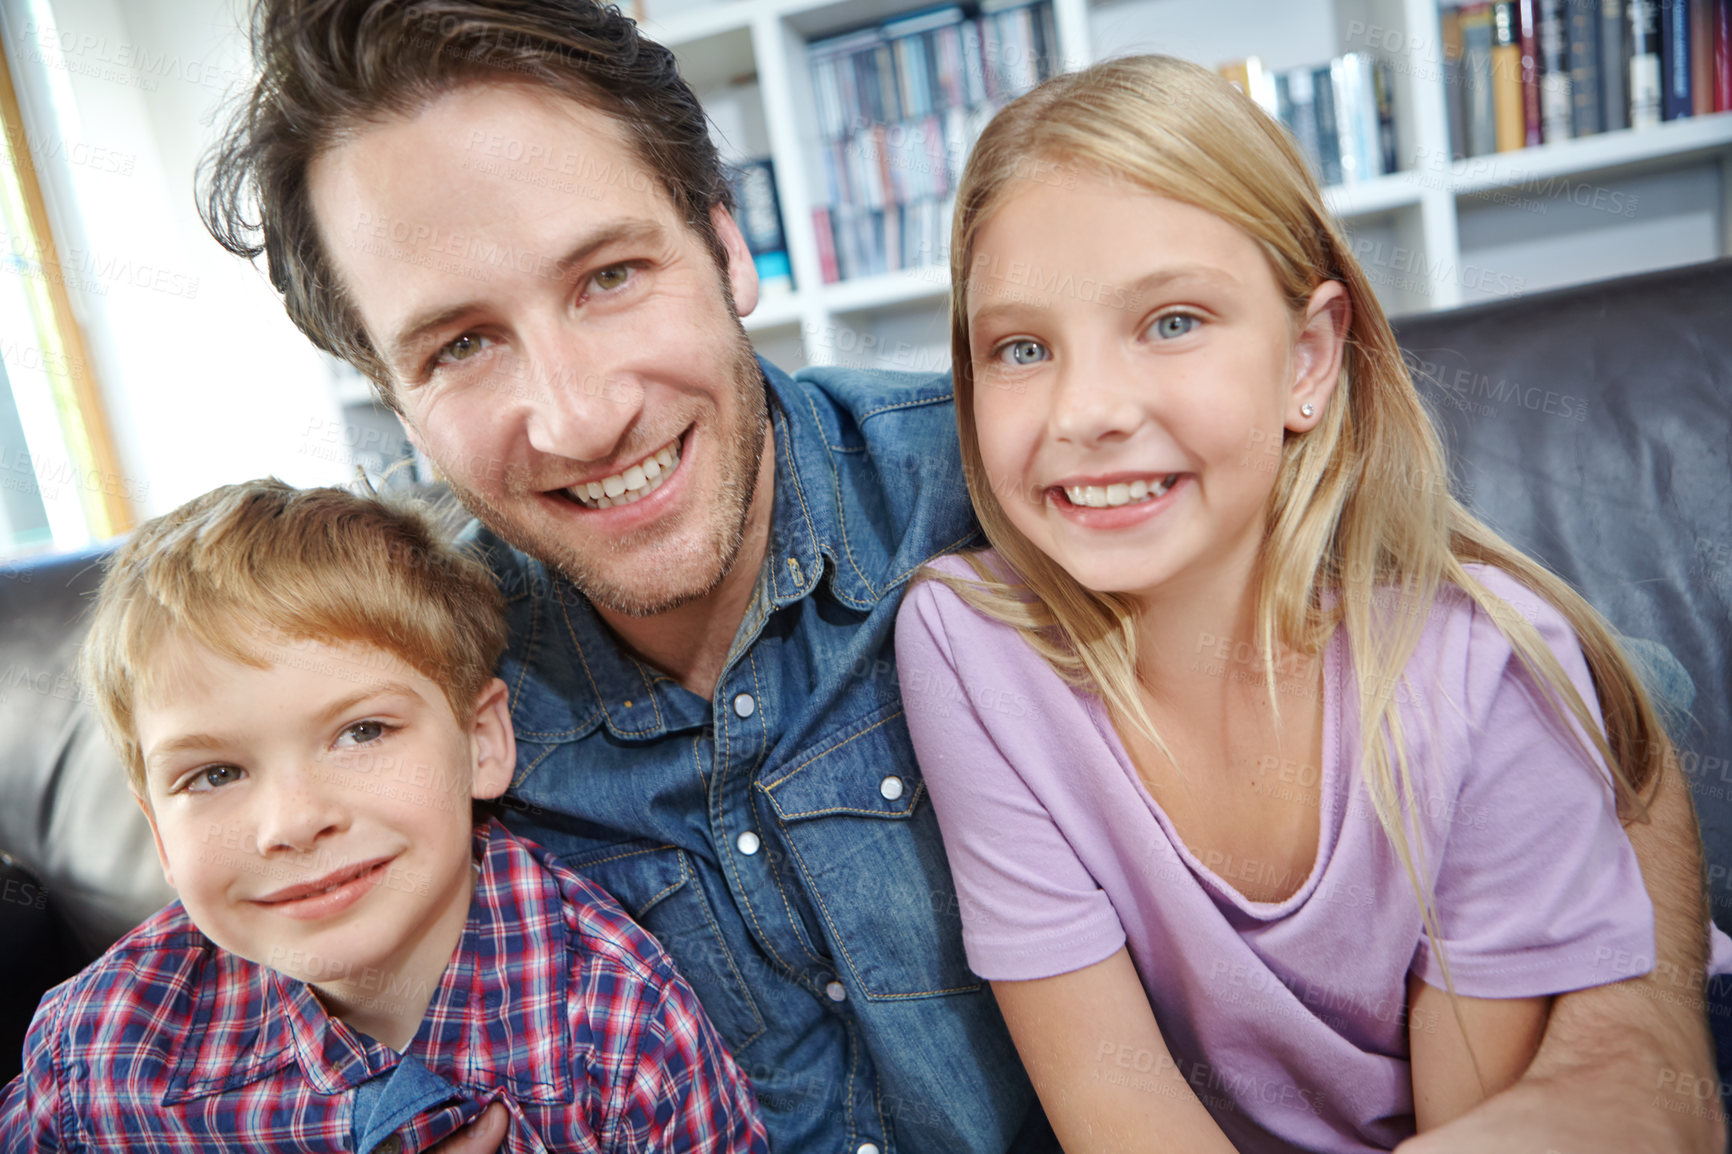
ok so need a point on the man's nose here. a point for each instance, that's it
(581, 398)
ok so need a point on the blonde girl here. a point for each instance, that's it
(1282, 795)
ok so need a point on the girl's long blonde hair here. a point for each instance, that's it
(1362, 529)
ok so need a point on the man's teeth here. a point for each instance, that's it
(634, 484)
(1106, 496)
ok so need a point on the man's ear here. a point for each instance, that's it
(742, 269)
(492, 745)
(1318, 351)
(155, 835)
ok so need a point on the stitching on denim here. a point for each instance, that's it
(943, 550)
(530, 768)
(917, 403)
(895, 815)
(771, 786)
(588, 672)
(739, 978)
(842, 529)
(794, 924)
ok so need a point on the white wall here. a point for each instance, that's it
(205, 379)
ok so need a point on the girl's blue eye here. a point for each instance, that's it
(212, 777)
(1023, 352)
(1175, 325)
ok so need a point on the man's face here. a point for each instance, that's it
(560, 340)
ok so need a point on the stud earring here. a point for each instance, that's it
(1306, 410)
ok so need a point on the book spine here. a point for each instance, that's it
(1557, 109)
(1452, 81)
(1528, 27)
(1476, 37)
(826, 236)
(1646, 73)
(1506, 79)
(1587, 118)
(1328, 141)
(1383, 74)
(1614, 84)
(1723, 56)
(1702, 56)
(1676, 100)
(1301, 116)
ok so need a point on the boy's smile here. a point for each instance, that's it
(314, 815)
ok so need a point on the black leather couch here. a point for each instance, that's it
(1592, 426)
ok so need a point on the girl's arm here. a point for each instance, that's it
(1464, 1053)
(1096, 1057)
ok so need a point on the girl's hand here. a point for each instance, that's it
(1096, 1057)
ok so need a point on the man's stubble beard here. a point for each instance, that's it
(724, 516)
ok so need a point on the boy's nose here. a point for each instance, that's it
(296, 812)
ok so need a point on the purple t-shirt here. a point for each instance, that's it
(1287, 1018)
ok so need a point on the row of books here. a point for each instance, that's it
(899, 106)
(1342, 113)
(1527, 72)
(758, 212)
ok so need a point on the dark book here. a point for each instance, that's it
(1557, 105)
(1478, 103)
(1297, 103)
(1587, 118)
(1383, 78)
(1528, 29)
(1677, 100)
(1328, 134)
(1646, 73)
(1452, 86)
(1506, 78)
(1614, 84)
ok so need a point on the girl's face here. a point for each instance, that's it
(1135, 370)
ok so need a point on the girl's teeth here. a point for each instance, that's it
(633, 484)
(1112, 496)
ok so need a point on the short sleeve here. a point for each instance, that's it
(1538, 889)
(685, 1094)
(995, 732)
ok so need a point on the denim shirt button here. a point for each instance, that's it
(747, 843)
(866, 1148)
(391, 1145)
(836, 992)
(891, 787)
(744, 706)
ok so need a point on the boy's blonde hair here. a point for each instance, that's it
(1362, 529)
(248, 564)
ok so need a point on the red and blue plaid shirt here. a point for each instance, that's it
(556, 1003)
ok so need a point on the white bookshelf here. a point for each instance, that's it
(1438, 234)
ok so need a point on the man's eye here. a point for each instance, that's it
(1175, 325)
(1022, 353)
(363, 733)
(461, 349)
(212, 777)
(609, 279)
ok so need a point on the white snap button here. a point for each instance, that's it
(891, 788)
(866, 1148)
(744, 706)
(836, 992)
(748, 843)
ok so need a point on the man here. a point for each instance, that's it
(510, 216)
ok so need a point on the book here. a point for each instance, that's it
(1676, 98)
(1614, 84)
(1587, 117)
(1452, 86)
(1479, 110)
(1702, 56)
(1557, 105)
(1645, 70)
(1506, 79)
(1723, 56)
(1296, 102)
(1328, 134)
(759, 215)
(1528, 28)
(1356, 124)
(1383, 78)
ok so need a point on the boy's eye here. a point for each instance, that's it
(1174, 325)
(212, 777)
(362, 733)
(1022, 352)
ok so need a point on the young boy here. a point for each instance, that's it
(300, 685)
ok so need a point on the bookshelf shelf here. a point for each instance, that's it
(1412, 219)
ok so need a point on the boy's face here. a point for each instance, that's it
(314, 815)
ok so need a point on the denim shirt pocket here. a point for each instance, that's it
(659, 886)
(865, 838)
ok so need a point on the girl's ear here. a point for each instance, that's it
(1318, 351)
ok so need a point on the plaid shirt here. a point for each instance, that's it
(555, 1003)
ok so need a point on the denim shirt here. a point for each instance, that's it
(777, 838)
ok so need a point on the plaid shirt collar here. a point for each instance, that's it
(498, 1018)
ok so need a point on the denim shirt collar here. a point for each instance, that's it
(603, 684)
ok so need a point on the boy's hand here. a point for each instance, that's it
(485, 1135)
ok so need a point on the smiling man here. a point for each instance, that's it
(510, 216)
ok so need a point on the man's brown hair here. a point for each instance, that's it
(330, 67)
(248, 570)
